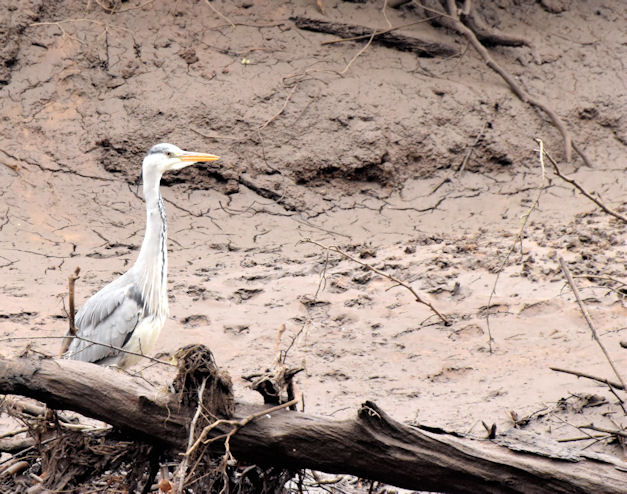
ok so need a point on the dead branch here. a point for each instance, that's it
(369, 445)
(398, 282)
(389, 38)
(588, 376)
(614, 432)
(468, 15)
(586, 316)
(93, 342)
(377, 33)
(587, 194)
(220, 13)
(525, 97)
(65, 344)
(489, 36)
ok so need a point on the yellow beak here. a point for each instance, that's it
(198, 157)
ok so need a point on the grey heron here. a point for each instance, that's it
(130, 312)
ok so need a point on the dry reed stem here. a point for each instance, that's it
(518, 238)
(609, 383)
(586, 315)
(348, 65)
(190, 440)
(271, 119)
(220, 13)
(112, 347)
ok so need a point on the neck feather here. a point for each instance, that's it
(152, 262)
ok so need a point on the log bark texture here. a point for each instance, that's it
(372, 445)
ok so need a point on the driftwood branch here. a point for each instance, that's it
(370, 445)
(387, 37)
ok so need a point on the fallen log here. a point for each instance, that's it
(424, 47)
(371, 445)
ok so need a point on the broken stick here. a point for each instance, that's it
(586, 316)
(398, 282)
(65, 344)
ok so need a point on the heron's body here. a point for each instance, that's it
(130, 312)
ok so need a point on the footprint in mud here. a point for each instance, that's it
(195, 320)
(243, 294)
(236, 328)
(467, 332)
(449, 373)
(19, 316)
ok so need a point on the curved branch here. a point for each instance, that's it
(464, 30)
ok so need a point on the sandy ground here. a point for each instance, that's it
(368, 159)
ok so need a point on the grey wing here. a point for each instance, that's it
(108, 317)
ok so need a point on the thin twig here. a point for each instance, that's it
(615, 432)
(374, 33)
(378, 33)
(621, 402)
(471, 149)
(586, 316)
(589, 376)
(581, 438)
(572, 182)
(220, 13)
(417, 297)
(321, 284)
(112, 347)
(525, 219)
(261, 127)
(385, 14)
(192, 428)
(237, 425)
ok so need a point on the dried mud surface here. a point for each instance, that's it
(421, 167)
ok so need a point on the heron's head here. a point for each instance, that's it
(165, 157)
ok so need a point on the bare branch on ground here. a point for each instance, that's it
(589, 376)
(587, 194)
(398, 282)
(586, 316)
(525, 97)
(65, 344)
(517, 238)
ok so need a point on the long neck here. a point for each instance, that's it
(152, 262)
